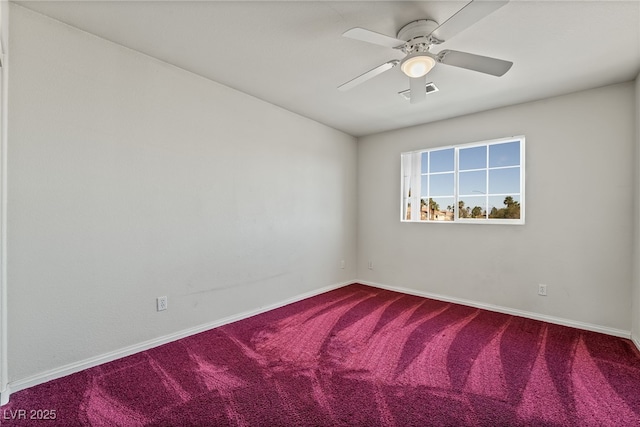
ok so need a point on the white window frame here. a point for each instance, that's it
(411, 174)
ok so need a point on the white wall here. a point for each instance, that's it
(4, 74)
(635, 328)
(131, 179)
(579, 198)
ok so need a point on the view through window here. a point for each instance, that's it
(482, 182)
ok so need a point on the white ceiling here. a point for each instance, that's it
(292, 54)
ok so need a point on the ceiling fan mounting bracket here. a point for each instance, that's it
(417, 29)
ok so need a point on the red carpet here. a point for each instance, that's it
(356, 356)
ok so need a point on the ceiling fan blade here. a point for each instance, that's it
(417, 86)
(465, 17)
(483, 64)
(373, 37)
(368, 75)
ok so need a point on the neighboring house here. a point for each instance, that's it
(435, 215)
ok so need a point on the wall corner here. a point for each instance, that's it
(635, 254)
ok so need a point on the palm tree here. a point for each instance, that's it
(508, 201)
(462, 212)
(433, 207)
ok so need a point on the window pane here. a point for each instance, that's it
(441, 160)
(504, 181)
(441, 185)
(424, 161)
(474, 182)
(437, 209)
(472, 207)
(507, 154)
(423, 186)
(441, 209)
(504, 207)
(472, 158)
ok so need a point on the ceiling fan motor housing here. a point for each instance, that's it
(416, 34)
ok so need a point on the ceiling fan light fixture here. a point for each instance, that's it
(417, 64)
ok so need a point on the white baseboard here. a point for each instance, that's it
(636, 341)
(72, 368)
(530, 315)
(4, 396)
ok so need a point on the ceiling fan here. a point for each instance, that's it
(416, 39)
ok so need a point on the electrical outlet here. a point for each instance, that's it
(342, 264)
(370, 265)
(161, 303)
(542, 290)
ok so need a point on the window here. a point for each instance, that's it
(482, 182)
